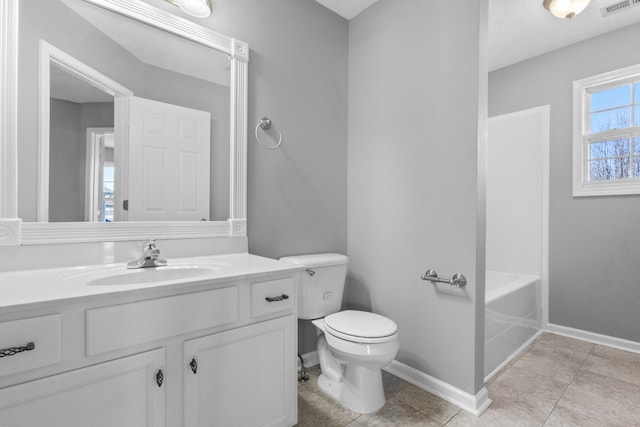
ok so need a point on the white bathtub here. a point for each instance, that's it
(513, 316)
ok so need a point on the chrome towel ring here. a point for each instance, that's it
(265, 124)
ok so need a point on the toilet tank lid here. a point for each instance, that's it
(317, 260)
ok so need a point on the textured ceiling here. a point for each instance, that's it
(522, 29)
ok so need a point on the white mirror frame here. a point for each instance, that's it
(14, 232)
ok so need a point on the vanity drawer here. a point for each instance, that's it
(45, 334)
(272, 296)
(120, 326)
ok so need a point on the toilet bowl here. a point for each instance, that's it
(351, 358)
(353, 346)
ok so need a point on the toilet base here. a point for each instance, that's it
(354, 378)
(360, 391)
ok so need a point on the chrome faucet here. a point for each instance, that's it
(150, 257)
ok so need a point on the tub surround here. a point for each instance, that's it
(513, 317)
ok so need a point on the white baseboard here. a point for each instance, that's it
(595, 338)
(474, 404)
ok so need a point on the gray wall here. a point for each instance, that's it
(67, 159)
(594, 250)
(297, 195)
(417, 93)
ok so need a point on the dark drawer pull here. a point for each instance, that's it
(6, 352)
(159, 377)
(276, 299)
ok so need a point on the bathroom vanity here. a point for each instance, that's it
(203, 341)
(211, 342)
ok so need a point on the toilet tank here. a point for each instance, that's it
(322, 285)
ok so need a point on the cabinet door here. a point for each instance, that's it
(122, 393)
(245, 377)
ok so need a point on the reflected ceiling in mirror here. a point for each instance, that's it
(154, 65)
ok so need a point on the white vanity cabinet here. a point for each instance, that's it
(242, 377)
(246, 376)
(124, 392)
(211, 353)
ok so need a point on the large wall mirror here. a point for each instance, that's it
(130, 122)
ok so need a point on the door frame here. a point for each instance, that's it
(50, 54)
(92, 187)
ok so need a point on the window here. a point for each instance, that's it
(107, 191)
(606, 134)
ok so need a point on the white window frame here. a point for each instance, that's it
(581, 185)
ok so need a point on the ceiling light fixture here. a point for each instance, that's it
(565, 9)
(197, 8)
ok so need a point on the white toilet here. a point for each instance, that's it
(353, 346)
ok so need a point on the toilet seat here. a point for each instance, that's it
(361, 327)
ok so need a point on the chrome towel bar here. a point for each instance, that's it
(457, 280)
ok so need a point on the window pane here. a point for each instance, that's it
(611, 148)
(608, 120)
(636, 115)
(636, 145)
(609, 169)
(636, 93)
(636, 167)
(611, 98)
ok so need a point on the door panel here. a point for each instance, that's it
(242, 378)
(169, 150)
(120, 393)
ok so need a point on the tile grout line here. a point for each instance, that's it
(570, 383)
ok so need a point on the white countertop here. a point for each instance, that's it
(20, 288)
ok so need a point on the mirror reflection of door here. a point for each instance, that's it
(169, 169)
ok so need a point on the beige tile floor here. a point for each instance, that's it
(559, 381)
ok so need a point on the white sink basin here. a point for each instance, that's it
(119, 275)
(153, 274)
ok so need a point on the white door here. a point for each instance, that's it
(168, 162)
(245, 377)
(123, 393)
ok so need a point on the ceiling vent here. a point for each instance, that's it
(618, 7)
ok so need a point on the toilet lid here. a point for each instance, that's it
(360, 326)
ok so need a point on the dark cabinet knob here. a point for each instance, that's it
(159, 377)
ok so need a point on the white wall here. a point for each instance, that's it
(515, 191)
(417, 98)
